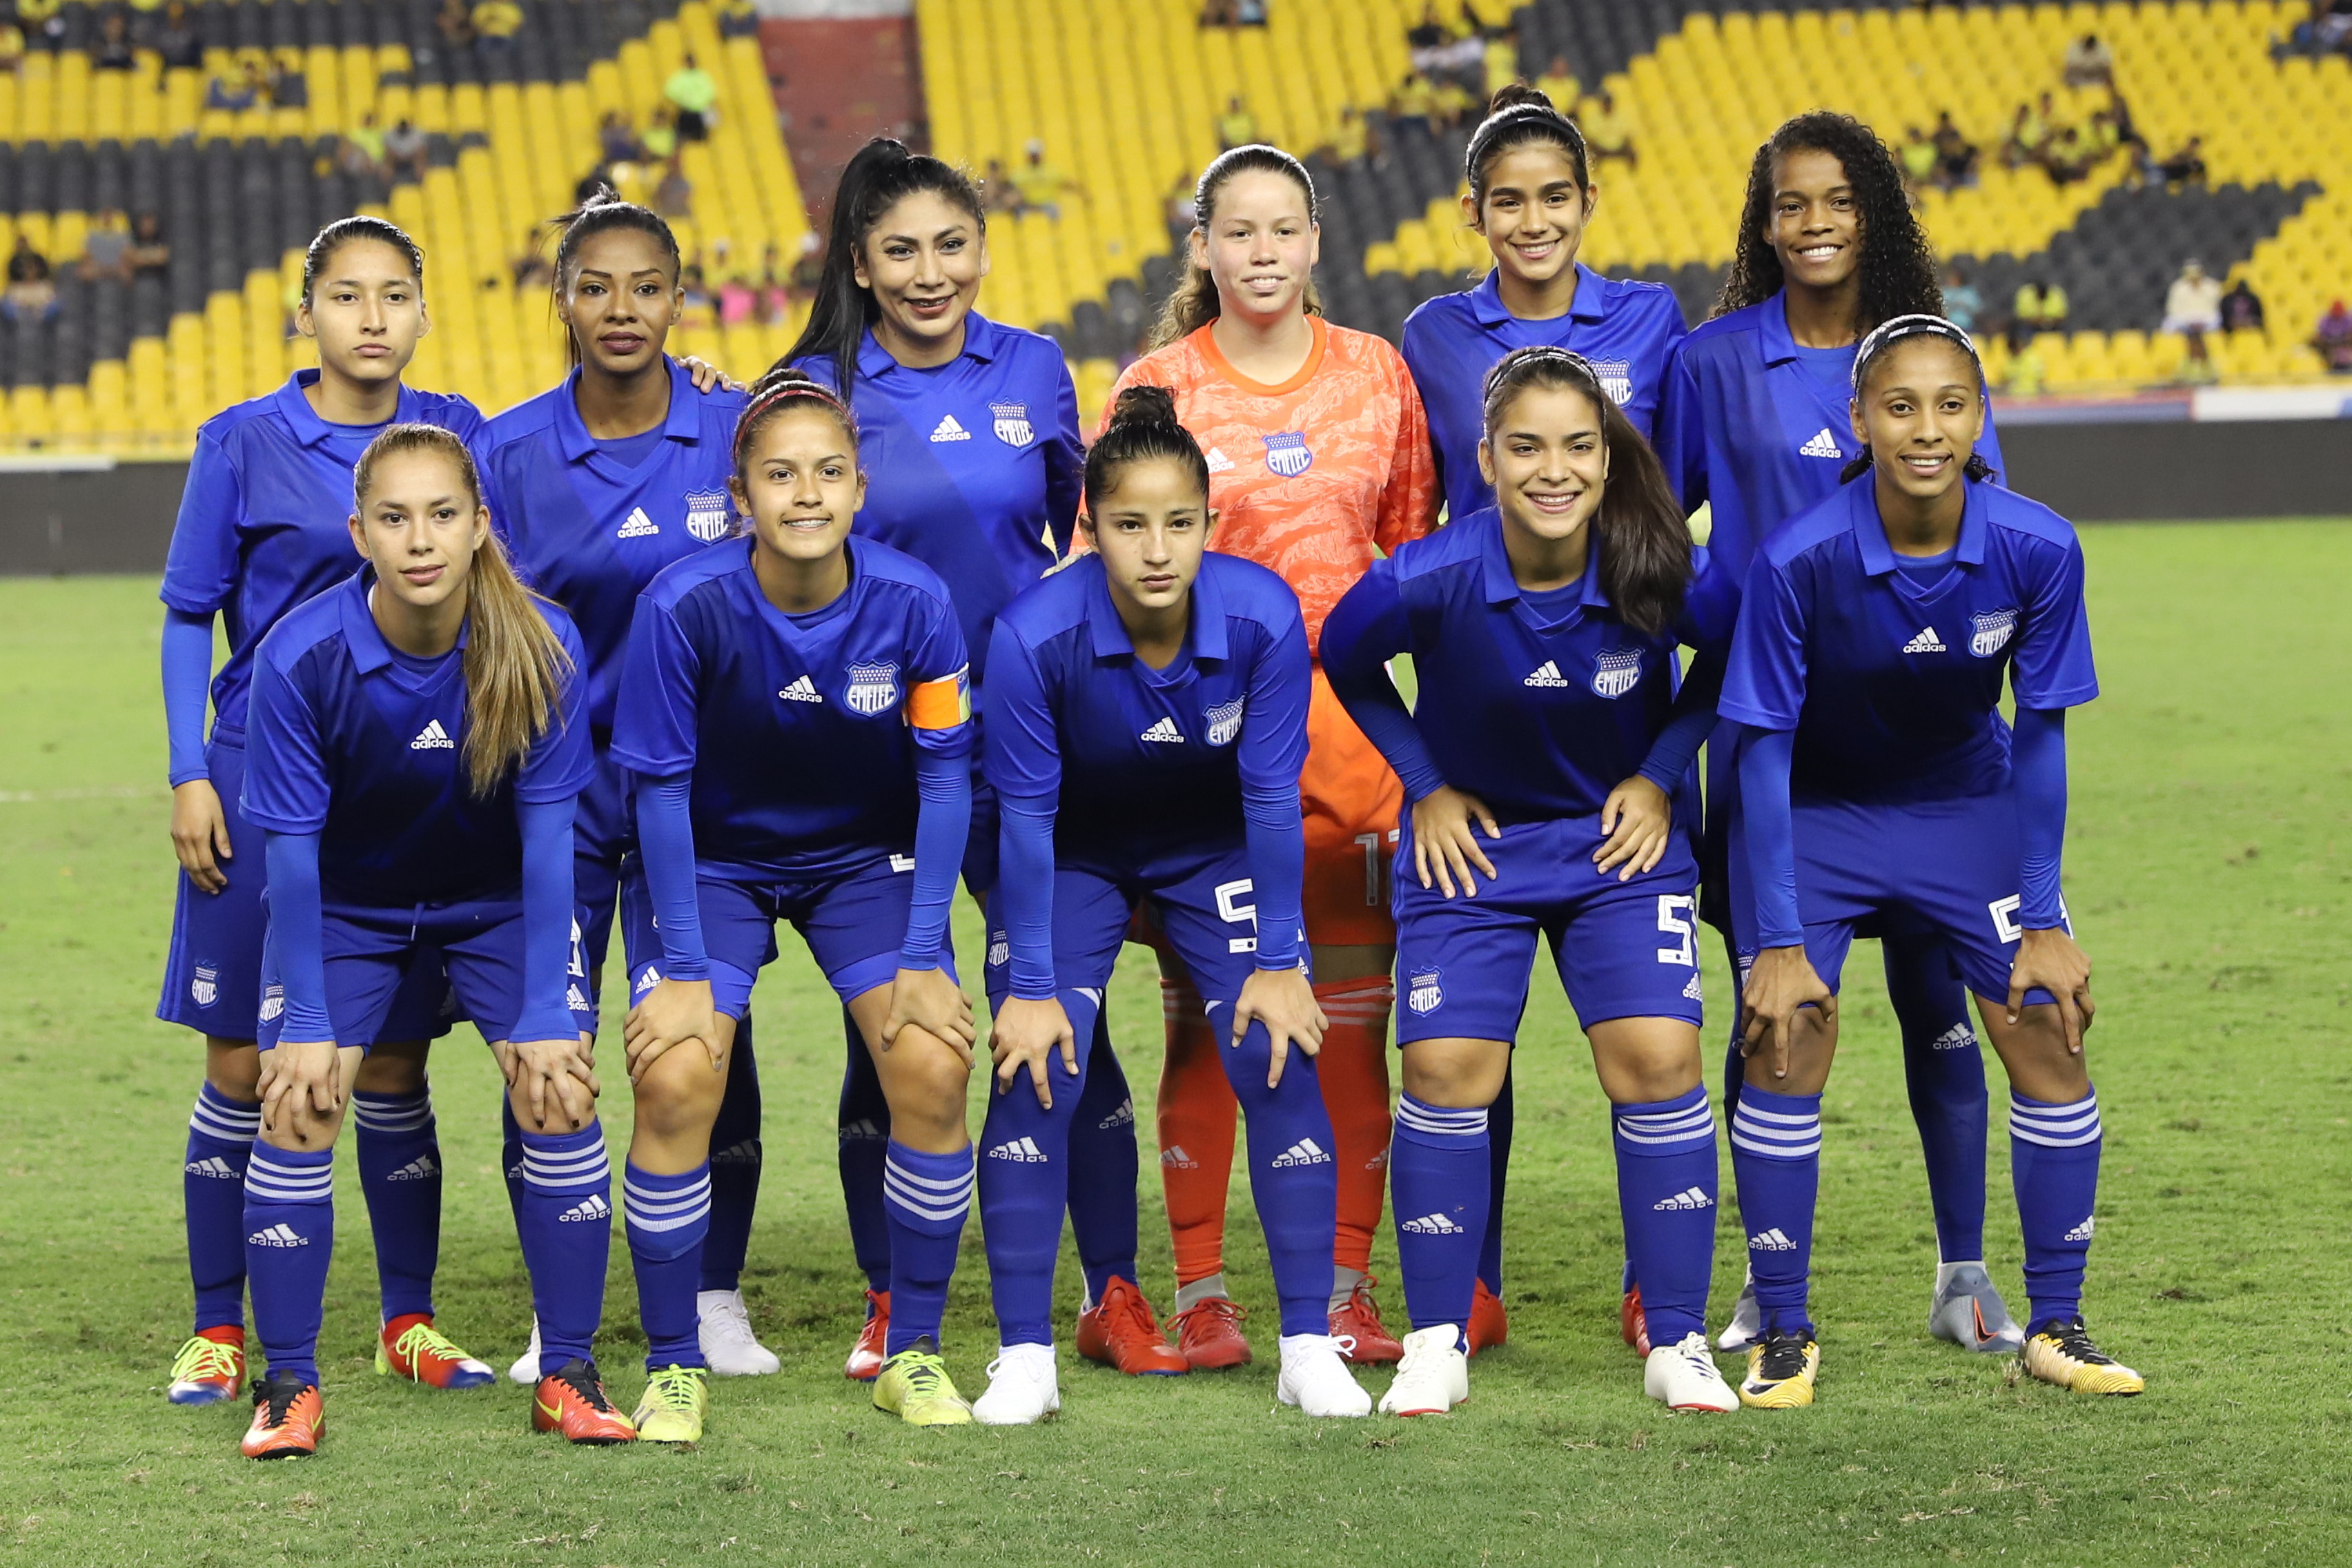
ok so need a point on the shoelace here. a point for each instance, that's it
(675, 1387)
(202, 1358)
(1133, 1308)
(924, 1374)
(588, 1386)
(419, 1340)
(731, 1321)
(2075, 1340)
(1784, 1357)
(1213, 1307)
(277, 1396)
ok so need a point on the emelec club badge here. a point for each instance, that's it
(873, 689)
(1990, 633)
(1286, 454)
(1011, 422)
(1425, 992)
(1225, 721)
(1616, 378)
(708, 514)
(1616, 672)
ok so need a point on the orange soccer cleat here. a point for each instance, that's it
(1488, 1327)
(867, 1356)
(1121, 1330)
(411, 1347)
(571, 1400)
(1633, 1323)
(1364, 1340)
(288, 1417)
(209, 1368)
(1209, 1334)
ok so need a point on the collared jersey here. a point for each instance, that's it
(799, 731)
(590, 531)
(263, 522)
(973, 467)
(1306, 477)
(1747, 428)
(1146, 760)
(1537, 715)
(1892, 688)
(353, 743)
(1626, 328)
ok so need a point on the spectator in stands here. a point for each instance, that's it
(2027, 132)
(405, 149)
(737, 300)
(496, 22)
(1427, 40)
(738, 19)
(1352, 139)
(2184, 167)
(2088, 63)
(532, 271)
(1221, 14)
(659, 144)
(1606, 132)
(2193, 307)
(176, 40)
(1917, 157)
(2332, 338)
(674, 196)
(998, 193)
(1502, 61)
(1956, 155)
(454, 25)
(2027, 371)
(1963, 303)
(1415, 103)
(232, 91)
(12, 46)
(1559, 84)
(288, 88)
(43, 21)
(112, 52)
(32, 292)
(616, 141)
(696, 310)
(150, 255)
(2067, 155)
(1042, 185)
(2040, 307)
(1236, 126)
(359, 152)
(105, 249)
(1250, 13)
(808, 268)
(694, 93)
(2242, 309)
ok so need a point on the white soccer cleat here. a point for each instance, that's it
(1317, 1381)
(1684, 1376)
(1023, 1387)
(1969, 1313)
(525, 1370)
(1746, 1325)
(1433, 1376)
(723, 1325)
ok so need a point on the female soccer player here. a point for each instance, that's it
(968, 431)
(1317, 452)
(1754, 426)
(1530, 196)
(1879, 783)
(796, 711)
(261, 528)
(1543, 633)
(418, 744)
(1147, 724)
(596, 485)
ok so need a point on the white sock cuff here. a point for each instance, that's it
(2054, 1126)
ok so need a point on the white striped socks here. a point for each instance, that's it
(1776, 1133)
(2054, 1126)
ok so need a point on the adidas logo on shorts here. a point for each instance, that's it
(1176, 1159)
(592, 1206)
(420, 1169)
(747, 1152)
(1959, 1037)
(1123, 1117)
(211, 1166)
(638, 526)
(947, 429)
(862, 1131)
(1306, 1151)
(1689, 1198)
(276, 1236)
(1429, 1225)
(2083, 1232)
(432, 738)
(1020, 1151)
(1773, 1240)
(1925, 642)
(1546, 674)
(1822, 444)
(1691, 990)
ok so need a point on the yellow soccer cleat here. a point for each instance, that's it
(2061, 1351)
(915, 1387)
(671, 1408)
(1780, 1371)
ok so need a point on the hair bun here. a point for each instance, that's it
(1145, 405)
(1518, 95)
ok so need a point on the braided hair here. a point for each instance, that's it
(1884, 336)
(1898, 268)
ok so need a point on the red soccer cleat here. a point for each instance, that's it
(1488, 1326)
(1633, 1324)
(1363, 1339)
(411, 1347)
(209, 1368)
(1120, 1331)
(865, 1357)
(571, 1400)
(1209, 1334)
(287, 1418)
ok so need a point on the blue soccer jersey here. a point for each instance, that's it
(799, 731)
(973, 467)
(1627, 329)
(365, 747)
(263, 520)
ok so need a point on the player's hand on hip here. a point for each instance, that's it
(1026, 1035)
(1637, 819)
(668, 1015)
(200, 834)
(554, 1082)
(300, 1078)
(931, 1001)
(1443, 844)
(1781, 982)
(1284, 1001)
(2048, 959)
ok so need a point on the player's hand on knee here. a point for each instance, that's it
(552, 1085)
(301, 1081)
(1026, 1035)
(1636, 818)
(2048, 959)
(930, 1001)
(671, 1014)
(1443, 843)
(200, 834)
(1781, 983)
(1284, 1001)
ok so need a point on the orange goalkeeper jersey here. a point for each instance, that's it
(1309, 476)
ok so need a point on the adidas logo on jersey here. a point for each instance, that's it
(1691, 990)
(1176, 1159)
(1123, 1117)
(1163, 731)
(1959, 1037)
(276, 1236)
(1429, 1225)
(947, 429)
(862, 1130)
(747, 1152)
(1219, 463)
(2083, 1231)
(1689, 1198)
(802, 691)
(432, 738)
(1306, 1151)
(592, 1206)
(1925, 642)
(1548, 674)
(1020, 1151)
(420, 1169)
(1822, 444)
(638, 526)
(212, 1165)
(1773, 1240)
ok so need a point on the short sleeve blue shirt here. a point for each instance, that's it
(1628, 329)
(351, 744)
(1891, 683)
(799, 731)
(263, 520)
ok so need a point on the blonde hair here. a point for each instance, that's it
(516, 667)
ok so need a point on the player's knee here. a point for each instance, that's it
(302, 1127)
(397, 1068)
(680, 1093)
(1457, 1074)
(234, 1068)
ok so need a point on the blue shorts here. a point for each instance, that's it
(853, 921)
(372, 954)
(1623, 949)
(212, 972)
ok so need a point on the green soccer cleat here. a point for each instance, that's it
(914, 1386)
(672, 1406)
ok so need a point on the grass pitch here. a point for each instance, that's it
(2207, 872)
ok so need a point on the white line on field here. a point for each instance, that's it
(96, 792)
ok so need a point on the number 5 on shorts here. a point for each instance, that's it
(1675, 918)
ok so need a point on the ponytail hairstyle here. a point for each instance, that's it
(785, 386)
(1884, 336)
(343, 231)
(1898, 270)
(1143, 425)
(1521, 116)
(603, 212)
(515, 666)
(883, 174)
(1643, 539)
(1194, 304)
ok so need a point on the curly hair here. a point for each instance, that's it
(1898, 270)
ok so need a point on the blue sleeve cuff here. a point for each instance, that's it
(942, 823)
(665, 851)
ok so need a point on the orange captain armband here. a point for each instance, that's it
(941, 704)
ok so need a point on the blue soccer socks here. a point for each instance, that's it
(1440, 1185)
(1775, 1157)
(2054, 1152)
(1666, 1191)
(1294, 1172)
(736, 1158)
(1944, 1071)
(221, 1132)
(400, 1175)
(1500, 1119)
(566, 1222)
(1103, 1169)
(290, 1234)
(668, 1219)
(864, 1123)
(924, 1200)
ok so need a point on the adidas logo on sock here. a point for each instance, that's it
(592, 1206)
(1822, 444)
(2083, 1232)
(802, 691)
(1773, 1240)
(947, 429)
(1163, 731)
(1306, 1151)
(862, 1131)
(638, 526)
(514, 1171)
(1123, 1117)
(211, 1166)
(276, 1236)
(420, 1169)
(1219, 463)
(1959, 1036)
(1925, 642)
(432, 738)
(1548, 674)
(1021, 1150)
(1379, 1161)
(747, 1152)
(1429, 1225)
(1175, 1158)
(1691, 989)
(1689, 1198)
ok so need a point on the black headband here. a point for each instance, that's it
(1895, 329)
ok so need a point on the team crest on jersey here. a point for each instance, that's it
(1990, 633)
(873, 689)
(1225, 721)
(206, 986)
(1616, 378)
(708, 514)
(1617, 671)
(1425, 994)
(1013, 427)
(1287, 453)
